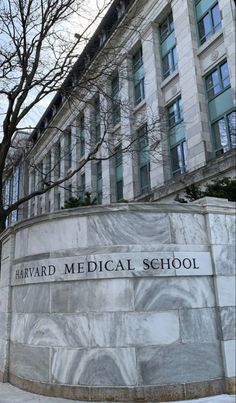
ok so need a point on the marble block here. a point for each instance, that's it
(224, 259)
(50, 330)
(222, 228)
(29, 362)
(173, 293)
(31, 298)
(226, 290)
(134, 329)
(228, 322)
(94, 367)
(229, 350)
(198, 325)
(3, 354)
(96, 295)
(179, 363)
(187, 229)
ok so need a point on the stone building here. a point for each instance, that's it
(154, 89)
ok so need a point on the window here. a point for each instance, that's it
(48, 168)
(138, 77)
(82, 186)
(97, 119)
(57, 162)
(175, 113)
(224, 133)
(99, 181)
(178, 158)
(208, 19)
(169, 62)
(178, 148)
(143, 159)
(40, 176)
(32, 181)
(119, 173)
(82, 136)
(167, 27)
(218, 80)
(115, 100)
(168, 47)
(68, 153)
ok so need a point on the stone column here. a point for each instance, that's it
(221, 232)
(191, 84)
(150, 49)
(7, 240)
(229, 31)
(126, 128)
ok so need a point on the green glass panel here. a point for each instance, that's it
(176, 134)
(221, 104)
(168, 44)
(203, 6)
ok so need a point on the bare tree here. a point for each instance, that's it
(36, 59)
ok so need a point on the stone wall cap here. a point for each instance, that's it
(201, 206)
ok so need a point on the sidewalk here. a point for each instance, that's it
(10, 394)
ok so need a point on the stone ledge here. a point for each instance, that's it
(164, 393)
(3, 377)
(230, 384)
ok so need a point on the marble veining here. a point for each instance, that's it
(96, 367)
(173, 293)
(50, 330)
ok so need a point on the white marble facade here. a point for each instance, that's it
(128, 323)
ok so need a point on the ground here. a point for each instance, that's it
(10, 394)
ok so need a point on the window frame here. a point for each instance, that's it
(170, 27)
(179, 111)
(229, 139)
(138, 83)
(118, 162)
(143, 147)
(220, 82)
(115, 100)
(213, 29)
(99, 180)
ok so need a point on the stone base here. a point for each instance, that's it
(163, 393)
(3, 377)
(230, 384)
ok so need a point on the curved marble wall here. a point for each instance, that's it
(120, 302)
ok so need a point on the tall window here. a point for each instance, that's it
(57, 160)
(97, 119)
(175, 112)
(119, 173)
(48, 168)
(224, 133)
(68, 150)
(178, 148)
(143, 159)
(115, 99)
(221, 110)
(218, 80)
(82, 136)
(99, 182)
(40, 176)
(168, 46)
(208, 18)
(138, 76)
(82, 186)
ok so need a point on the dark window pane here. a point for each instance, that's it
(175, 59)
(175, 114)
(225, 75)
(232, 128)
(175, 160)
(144, 177)
(204, 27)
(220, 136)
(165, 66)
(119, 190)
(213, 84)
(164, 29)
(216, 17)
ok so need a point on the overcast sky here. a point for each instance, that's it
(77, 25)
